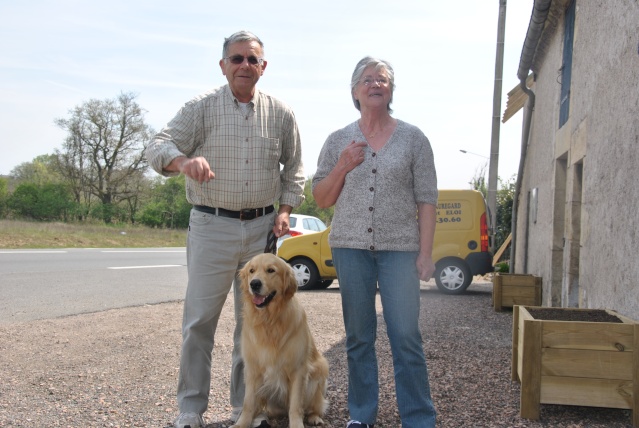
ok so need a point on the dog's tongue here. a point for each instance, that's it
(258, 299)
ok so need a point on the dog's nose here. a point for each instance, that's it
(256, 284)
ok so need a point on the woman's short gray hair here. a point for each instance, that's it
(240, 36)
(379, 64)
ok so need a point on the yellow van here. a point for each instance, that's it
(461, 248)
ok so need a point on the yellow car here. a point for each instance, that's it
(460, 250)
(311, 259)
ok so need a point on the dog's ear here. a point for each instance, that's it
(243, 273)
(290, 282)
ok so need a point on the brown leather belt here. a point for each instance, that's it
(248, 214)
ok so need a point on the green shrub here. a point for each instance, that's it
(502, 267)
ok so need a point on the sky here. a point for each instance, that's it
(54, 56)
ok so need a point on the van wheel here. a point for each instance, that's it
(305, 272)
(452, 276)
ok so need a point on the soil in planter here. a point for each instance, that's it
(557, 314)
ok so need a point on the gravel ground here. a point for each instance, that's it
(118, 368)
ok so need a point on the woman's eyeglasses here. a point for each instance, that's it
(239, 59)
(369, 81)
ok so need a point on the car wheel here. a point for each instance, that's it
(452, 276)
(305, 272)
(324, 284)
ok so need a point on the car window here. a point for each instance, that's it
(321, 226)
(307, 223)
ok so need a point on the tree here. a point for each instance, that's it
(23, 200)
(309, 206)
(168, 206)
(41, 170)
(49, 201)
(103, 151)
(505, 194)
(4, 196)
(478, 182)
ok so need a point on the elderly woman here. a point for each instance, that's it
(379, 173)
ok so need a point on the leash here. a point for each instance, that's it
(271, 243)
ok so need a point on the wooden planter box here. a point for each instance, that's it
(593, 362)
(516, 289)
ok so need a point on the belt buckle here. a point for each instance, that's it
(247, 214)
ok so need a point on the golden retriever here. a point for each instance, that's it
(283, 370)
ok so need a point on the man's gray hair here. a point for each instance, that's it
(379, 64)
(240, 36)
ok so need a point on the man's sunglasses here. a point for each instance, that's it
(239, 59)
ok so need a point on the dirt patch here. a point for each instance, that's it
(587, 315)
(118, 368)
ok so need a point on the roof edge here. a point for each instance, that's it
(533, 35)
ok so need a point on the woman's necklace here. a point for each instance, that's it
(376, 132)
(373, 134)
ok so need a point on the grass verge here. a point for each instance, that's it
(16, 234)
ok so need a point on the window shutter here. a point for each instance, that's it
(566, 69)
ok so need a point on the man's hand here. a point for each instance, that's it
(282, 220)
(197, 169)
(282, 223)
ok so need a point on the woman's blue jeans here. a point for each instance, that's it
(359, 273)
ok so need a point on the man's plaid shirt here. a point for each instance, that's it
(245, 151)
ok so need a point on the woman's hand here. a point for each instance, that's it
(352, 155)
(426, 215)
(425, 267)
(329, 188)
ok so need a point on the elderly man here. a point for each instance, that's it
(230, 144)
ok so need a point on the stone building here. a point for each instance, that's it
(577, 197)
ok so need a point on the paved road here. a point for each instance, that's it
(41, 284)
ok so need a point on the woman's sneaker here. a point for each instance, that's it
(358, 424)
(189, 420)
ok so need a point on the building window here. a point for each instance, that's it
(566, 68)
